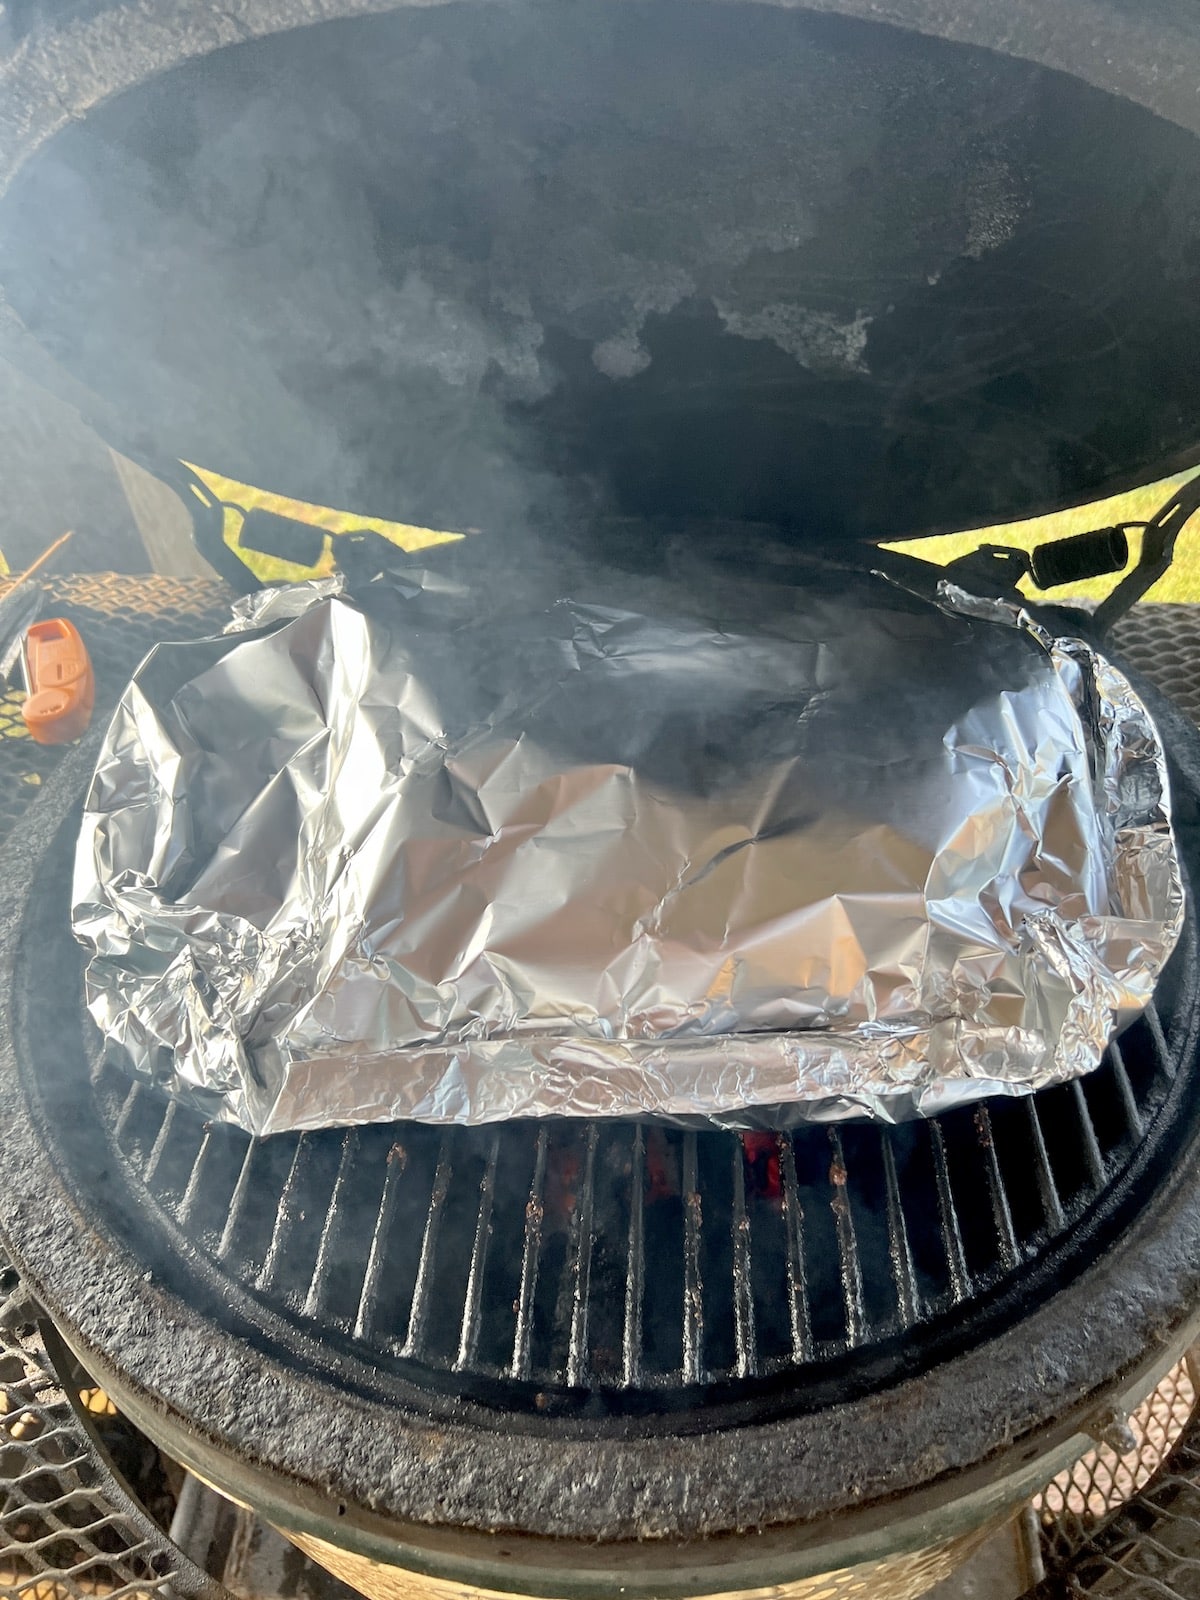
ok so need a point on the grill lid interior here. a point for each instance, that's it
(479, 266)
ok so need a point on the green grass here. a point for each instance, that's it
(1181, 583)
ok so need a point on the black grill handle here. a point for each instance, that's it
(1085, 555)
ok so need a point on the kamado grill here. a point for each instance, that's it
(570, 1358)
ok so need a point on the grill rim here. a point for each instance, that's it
(283, 1444)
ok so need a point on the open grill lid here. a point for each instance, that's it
(480, 266)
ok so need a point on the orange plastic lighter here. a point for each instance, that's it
(59, 682)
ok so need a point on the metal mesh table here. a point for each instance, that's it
(70, 1527)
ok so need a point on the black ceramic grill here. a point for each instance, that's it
(769, 266)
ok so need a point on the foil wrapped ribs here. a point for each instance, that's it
(753, 854)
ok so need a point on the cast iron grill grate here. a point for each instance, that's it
(636, 1258)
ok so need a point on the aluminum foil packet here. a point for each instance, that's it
(750, 853)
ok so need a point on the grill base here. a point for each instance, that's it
(903, 1577)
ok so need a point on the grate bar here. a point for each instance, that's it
(1162, 1050)
(1091, 1145)
(196, 1177)
(324, 1262)
(535, 1211)
(693, 1283)
(285, 1212)
(744, 1332)
(581, 1265)
(956, 1259)
(237, 1204)
(1129, 1106)
(799, 1315)
(472, 1318)
(1006, 1233)
(414, 1339)
(1043, 1172)
(908, 1301)
(364, 1321)
(160, 1144)
(849, 1260)
(635, 1269)
(128, 1106)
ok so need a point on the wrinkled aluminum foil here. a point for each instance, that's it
(746, 853)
